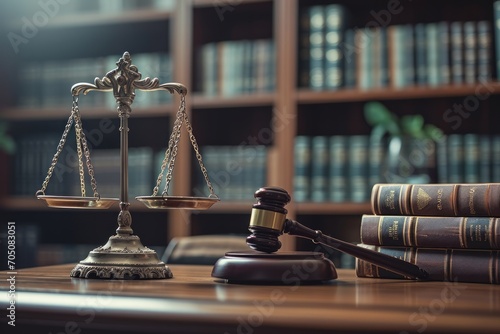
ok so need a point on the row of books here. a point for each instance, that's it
(237, 67)
(452, 231)
(334, 55)
(468, 158)
(48, 83)
(234, 171)
(34, 156)
(342, 168)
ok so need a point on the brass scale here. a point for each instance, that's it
(124, 256)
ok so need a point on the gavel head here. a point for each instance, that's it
(268, 219)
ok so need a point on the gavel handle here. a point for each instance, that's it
(385, 261)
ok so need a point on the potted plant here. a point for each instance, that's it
(410, 150)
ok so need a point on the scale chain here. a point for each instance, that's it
(86, 152)
(59, 149)
(173, 144)
(82, 150)
(78, 134)
(174, 138)
(198, 156)
(171, 152)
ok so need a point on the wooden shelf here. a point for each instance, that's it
(94, 112)
(254, 100)
(357, 95)
(211, 3)
(348, 208)
(97, 18)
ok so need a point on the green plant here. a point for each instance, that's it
(7, 144)
(385, 122)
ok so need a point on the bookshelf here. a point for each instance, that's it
(273, 108)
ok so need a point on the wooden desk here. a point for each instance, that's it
(49, 301)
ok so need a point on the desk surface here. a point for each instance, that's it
(48, 300)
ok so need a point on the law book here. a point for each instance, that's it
(496, 36)
(495, 158)
(452, 199)
(444, 52)
(455, 158)
(302, 168)
(403, 59)
(338, 183)
(319, 168)
(456, 50)
(333, 62)
(432, 54)
(473, 160)
(431, 231)
(380, 64)
(364, 61)
(420, 54)
(316, 47)
(483, 51)
(470, 51)
(349, 58)
(304, 50)
(358, 168)
(442, 264)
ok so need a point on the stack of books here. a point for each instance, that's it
(450, 230)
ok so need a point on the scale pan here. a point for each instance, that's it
(177, 202)
(77, 202)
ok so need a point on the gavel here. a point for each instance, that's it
(268, 221)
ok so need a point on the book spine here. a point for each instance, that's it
(420, 54)
(319, 169)
(431, 232)
(358, 168)
(471, 164)
(432, 48)
(316, 47)
(302, 167)
(338, 169)
(496, 25)
(304, 50)
(349, 58)
(467, 200)
(495, 158)
(334, 24)
(455, 158)
(470, 56)
(483, 51)
(485, 159)
(442, 159)
(364, 43)
(456, 265)
(457, 56)
(444, 53)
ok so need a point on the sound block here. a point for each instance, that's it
(285, 268)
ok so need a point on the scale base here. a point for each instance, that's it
(290, 268)
(122, 257)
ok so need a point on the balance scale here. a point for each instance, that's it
(124, 256)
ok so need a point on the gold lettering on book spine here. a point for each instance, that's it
(423, 199)
(472, 192)
(389, 200)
